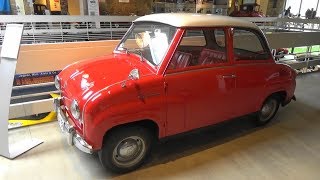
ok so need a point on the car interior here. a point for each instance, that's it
(210, 49)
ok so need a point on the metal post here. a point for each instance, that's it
(33, 26)
(284, 8)
(1, 32)
(61, 28)
(111, 32)
(87, 23)
(300, 6)
(317, 6)
(307, 58)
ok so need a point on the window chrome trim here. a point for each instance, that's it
(199, 69)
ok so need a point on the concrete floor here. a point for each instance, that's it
(288, 148)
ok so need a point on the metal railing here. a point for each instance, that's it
(31, 99)
(302, 62)
(53, 29)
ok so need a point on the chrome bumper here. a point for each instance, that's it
(72, 137)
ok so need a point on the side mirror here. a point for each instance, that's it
(133, 75)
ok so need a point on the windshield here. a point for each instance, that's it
(148, 40)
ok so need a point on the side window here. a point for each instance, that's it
(200, 48)
(193, 38)
(249, 45)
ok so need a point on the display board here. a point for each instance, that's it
(93, 8)
(8, 62)
(55, 5)
(11, 42)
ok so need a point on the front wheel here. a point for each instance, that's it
(125, 149)
(268, 110)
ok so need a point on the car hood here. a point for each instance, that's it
(81, 79)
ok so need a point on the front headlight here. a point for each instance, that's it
(75, 110)
(57, 82)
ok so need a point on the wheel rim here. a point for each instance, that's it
(129, 151)
(268, 110)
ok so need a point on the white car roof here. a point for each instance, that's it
(196, 20)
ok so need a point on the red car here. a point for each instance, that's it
(171, 73)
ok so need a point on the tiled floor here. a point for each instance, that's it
(288, 148)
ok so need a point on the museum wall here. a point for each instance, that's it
(263, 5)
(133, 7)
(13, 7)
(139, 7)
(275, 7)
(64, 7)
(73, 7)
(61, 54)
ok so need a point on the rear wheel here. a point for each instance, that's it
(268, 110)
(125, 149)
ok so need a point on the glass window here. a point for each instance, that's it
(310, 5)
(308, 9)
(295, 5)
(199, 48)
(149, 41)
(249, 45)
(193, 38)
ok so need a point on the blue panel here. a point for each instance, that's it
(4, 6)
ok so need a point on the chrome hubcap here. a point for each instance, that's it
(268, 109)
(129, 151)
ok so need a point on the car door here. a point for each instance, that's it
(254, 67)
(199, 85)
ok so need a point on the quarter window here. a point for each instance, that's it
(249, 45)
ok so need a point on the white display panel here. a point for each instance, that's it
(8, 62)
(11, 42)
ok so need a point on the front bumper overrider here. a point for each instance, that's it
(68, 129)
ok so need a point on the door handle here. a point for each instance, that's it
(229, 76)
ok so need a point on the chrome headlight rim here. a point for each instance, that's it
(75, 110)
(57, 83)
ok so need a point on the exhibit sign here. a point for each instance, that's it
(93, 8)
(8, 62)
(20, 7)
(5, 6)
(124, 1)
(55, 5)
(11, 42)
